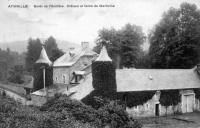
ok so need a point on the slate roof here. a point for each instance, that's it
(67, 60)
(44, 58)
(103, 56)
(156, 79)
(144, 80)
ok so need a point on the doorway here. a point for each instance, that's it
(188, 103)
(157, 109)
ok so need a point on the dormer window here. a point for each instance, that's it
(72, 51)
(77, 76)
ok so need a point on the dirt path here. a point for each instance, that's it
(190, 120)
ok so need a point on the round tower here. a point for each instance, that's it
(103, 73)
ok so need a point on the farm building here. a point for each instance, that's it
(68, 70)
(75, 67)
(185, 81)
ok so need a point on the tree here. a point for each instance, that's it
(16, 74)
(175, 41)
(33, 52)
(52, 49)
(123, 45)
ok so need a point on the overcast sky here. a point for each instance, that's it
(78, 24)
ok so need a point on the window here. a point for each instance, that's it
(63, 79)
(135, 107)
(147, 105)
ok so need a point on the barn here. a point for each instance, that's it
(185, 81)
(76, 68)
(158, 80)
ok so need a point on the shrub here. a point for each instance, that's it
(96, 98)
(62, 112)
(109, 113)
(197, 93)
(3, 93)
(18, 116)
(16, 74)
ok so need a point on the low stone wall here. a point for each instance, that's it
(16, 97)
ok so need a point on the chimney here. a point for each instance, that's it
(85, 45)
(71, 51)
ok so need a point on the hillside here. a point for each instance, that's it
(21, 46)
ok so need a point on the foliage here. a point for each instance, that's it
(197, 93)
(169, 97)
(38, 76)
(16, 74)
(52, 49)
(123, 45)
(131, 99)
(104, 83)
(62, 112)
(8, 56)
(144, 61)
(56, 53)
(103, 74)
(108, 114)
(8, 59)
(175, 41)
(34, 49)
(33, 52)
(15, 115)
(94, 98)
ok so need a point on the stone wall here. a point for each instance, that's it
(59, 72)
(149, 108)
(15, 96)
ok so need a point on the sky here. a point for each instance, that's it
(78, 24)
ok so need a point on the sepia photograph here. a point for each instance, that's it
(100, 64)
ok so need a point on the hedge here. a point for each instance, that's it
(109, 113)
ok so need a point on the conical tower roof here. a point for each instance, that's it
(43, 57)
(103, 56)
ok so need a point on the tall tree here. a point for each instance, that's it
(33, 53)
(175, 41)
(52, 49)
(123, 45)
(132, 38)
